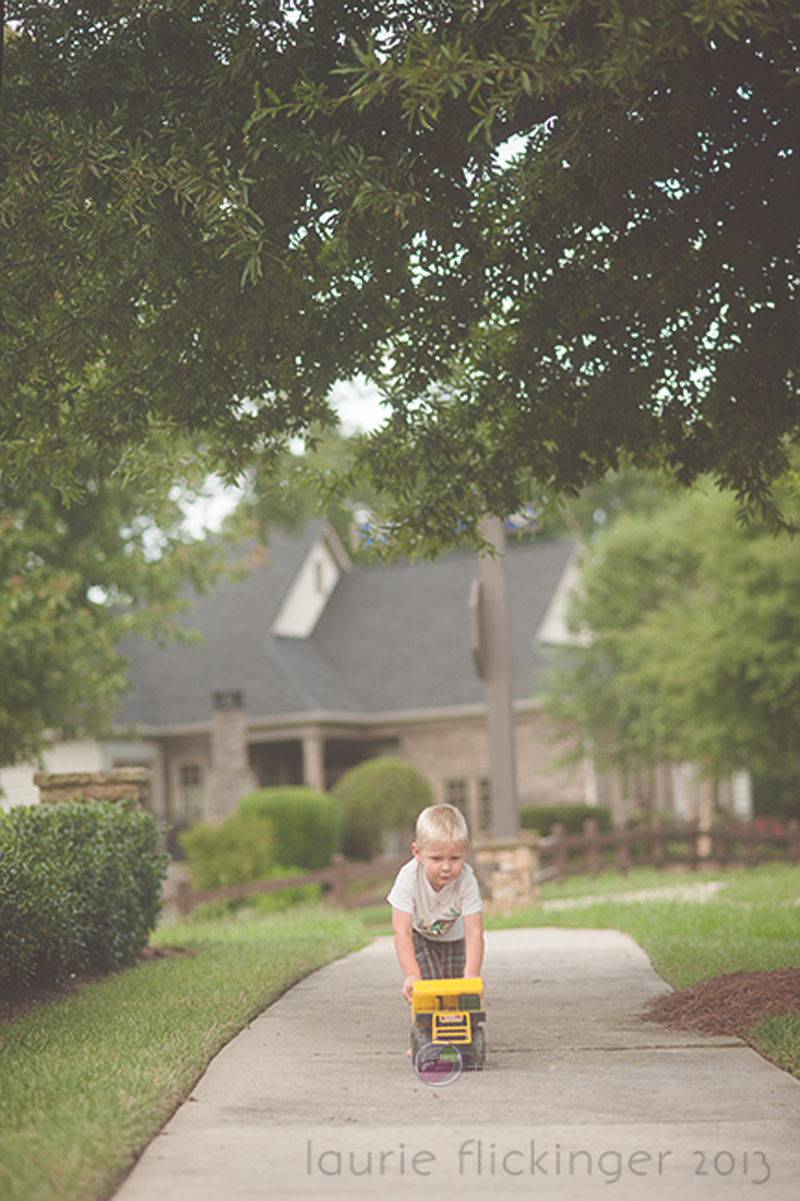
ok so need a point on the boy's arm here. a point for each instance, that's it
(404, 946)
(473, 939)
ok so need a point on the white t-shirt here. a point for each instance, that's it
(436, 915)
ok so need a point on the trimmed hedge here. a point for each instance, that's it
(234, 851)
(241, 849)
(376, 796)
(80, 888)
(572, 817)
(306, 825)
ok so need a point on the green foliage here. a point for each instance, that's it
(80, 888)
(234, 851)
(88, 1082)
(572, 817)
(377, 796)
(306, 825)
(696, 624)
(75, 581)
(776, 794)
(288, 493)
(777, 1037)
(333, 202)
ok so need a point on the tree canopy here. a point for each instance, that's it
(559, 237)
(695, 628)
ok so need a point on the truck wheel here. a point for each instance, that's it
(477, 1059)
(418, 1040)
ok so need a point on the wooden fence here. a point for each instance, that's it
(653, 844)
(338, 876)
(660, 845)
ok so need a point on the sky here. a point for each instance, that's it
(359, 409)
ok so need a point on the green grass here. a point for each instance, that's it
(751, 924)
(777, 1037)
(89, 1080)
(612, 881)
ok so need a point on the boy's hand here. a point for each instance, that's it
(408, 985)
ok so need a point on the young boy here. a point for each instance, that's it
(436, 905)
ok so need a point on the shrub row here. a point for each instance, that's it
(289, 830)
(80, 888)
(572, 817)
(275, 832)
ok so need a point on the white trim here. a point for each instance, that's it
(312, 587)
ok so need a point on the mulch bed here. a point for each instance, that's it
(15, 1000)
(729, 1004)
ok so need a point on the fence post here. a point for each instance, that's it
(793, 840)
(184, 898)
(692, 853)
(339, 879)
(751, 858)
(721, 840)
(623, 855)
(592, 845)
(657, 842)
(559, 832)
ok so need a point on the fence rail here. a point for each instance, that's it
(653, 844)
(660, 845)
(339, 875)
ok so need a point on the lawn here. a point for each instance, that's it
(88, 1081)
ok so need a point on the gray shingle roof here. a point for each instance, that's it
(391, 638)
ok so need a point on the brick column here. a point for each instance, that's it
(314, 762)
(230, 776)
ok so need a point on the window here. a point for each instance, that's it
(190, 792)
(484, 805)
(455, 793)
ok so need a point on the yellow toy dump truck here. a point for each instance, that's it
(450, 1012)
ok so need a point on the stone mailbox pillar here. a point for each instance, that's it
(115, 785)
(507, 870)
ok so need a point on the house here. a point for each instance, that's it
(310, 664)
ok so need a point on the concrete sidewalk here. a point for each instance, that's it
(579, 1097)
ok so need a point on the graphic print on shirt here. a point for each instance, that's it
(442, 925)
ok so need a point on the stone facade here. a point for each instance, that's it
(451, 750)
(117, 785)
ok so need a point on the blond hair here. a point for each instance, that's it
(441, 823)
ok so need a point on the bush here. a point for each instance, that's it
(306, 825)
(543, 817)
(378, 796)
(80, 888)
(241, 850)
(234, 851)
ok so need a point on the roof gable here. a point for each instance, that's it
(387, 639)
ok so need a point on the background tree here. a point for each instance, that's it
(286, 493)
(212, 212)
(695, 623)
(74, 582)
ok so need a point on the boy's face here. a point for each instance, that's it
(442, 861)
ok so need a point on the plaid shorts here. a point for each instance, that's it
(439, 960)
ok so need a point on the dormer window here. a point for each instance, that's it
(312, 587)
